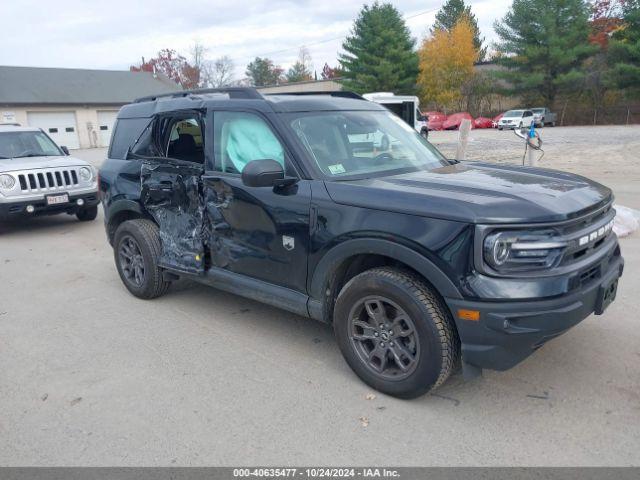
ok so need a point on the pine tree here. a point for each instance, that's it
(624, 51)
(543, 44)
(262, 71)
(301, 70)
(379, 52)
(449, 15)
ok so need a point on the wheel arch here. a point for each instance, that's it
(352, 257)
(121, 211)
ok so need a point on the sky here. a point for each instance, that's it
(115, 34)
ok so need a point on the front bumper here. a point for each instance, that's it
(14, 210)
(508, 332)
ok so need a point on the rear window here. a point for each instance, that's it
(126, 132)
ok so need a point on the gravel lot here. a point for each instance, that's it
(92, 376)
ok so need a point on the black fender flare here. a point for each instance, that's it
(117, 207)
(125, 204)
(349, 248)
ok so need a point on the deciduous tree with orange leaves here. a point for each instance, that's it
(446, 64)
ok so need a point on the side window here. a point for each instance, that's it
(127, 130)
(241, 137)
(185, 140)
(172, 137)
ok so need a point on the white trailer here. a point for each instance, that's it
(407, 107)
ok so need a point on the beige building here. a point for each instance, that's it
(75, 107)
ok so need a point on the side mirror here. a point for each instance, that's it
(65, 150)
(263, 173)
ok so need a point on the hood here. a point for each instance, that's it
(33, 163)
(477, 193)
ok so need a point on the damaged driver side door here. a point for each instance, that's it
(172, 153)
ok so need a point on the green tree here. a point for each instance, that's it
(624, 51)
(543, 44)
(449, 15)
(262, 71)
(301, 70)
(379, 53)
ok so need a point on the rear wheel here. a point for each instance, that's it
(87, 214)
(395, 332)
(137, 250)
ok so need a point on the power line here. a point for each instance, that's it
(327, 40)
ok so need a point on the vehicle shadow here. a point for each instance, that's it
(43, 224)
(314, 338)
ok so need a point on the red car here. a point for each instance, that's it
(436, 119)
(483, 122)
(453, 121)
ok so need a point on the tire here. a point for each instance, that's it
(425, 134)
(553, 124)
(433, 346)
(141, 238)
(87, 214)
(500, 128)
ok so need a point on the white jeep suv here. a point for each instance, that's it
(39, 178)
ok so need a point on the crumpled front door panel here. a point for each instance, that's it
(172, 194)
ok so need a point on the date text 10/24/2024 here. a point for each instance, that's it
(316, 472)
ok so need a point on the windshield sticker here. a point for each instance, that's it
(336, 169)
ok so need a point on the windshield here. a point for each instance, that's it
(513, 113)
(26, 144)
(345, 144)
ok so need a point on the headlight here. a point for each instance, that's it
(7, 182)
(514, 251)
(86, 174)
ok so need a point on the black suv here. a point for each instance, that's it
(331, 207)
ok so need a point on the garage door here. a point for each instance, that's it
(61, 126)
(106, 119)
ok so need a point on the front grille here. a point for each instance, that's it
(48, 180)
(583, 227)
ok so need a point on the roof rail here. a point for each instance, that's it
(333, 93)
(233, 92)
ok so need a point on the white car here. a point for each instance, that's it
(37, 177)
(516, 119)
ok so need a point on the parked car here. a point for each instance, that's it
(543, 116)
(495, 120)
(482, 122)
(416, 261)
(436, 120)
(39, 178)
(516, 119)
(454, 120)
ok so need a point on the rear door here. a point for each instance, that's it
(172, 152)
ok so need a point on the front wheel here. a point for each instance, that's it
(395, 332)
(87, 214)
(425, 134)
(137, 250)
